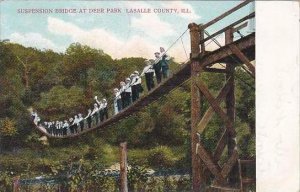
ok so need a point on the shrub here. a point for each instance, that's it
(161, 157)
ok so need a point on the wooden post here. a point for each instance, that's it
(202, 45)
(230, 107)
(123, 167)
(197, 169)
(16, 184)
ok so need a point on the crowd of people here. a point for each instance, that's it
(128, 92)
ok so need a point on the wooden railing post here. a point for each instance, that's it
(197, 167)
(16, 184)
(123, 167)
(230, 107)
(202, 45)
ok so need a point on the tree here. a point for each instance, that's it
(7, 131)
(8, 127)
(79, 59)
(61, 102)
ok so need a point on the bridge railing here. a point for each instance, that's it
(229, 28)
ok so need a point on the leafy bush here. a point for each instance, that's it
(161, 157)
(8, 127)
(5, 181)
(137, 178)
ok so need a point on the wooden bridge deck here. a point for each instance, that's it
(221, 55)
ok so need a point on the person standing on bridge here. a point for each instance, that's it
(117, 101)
(164, 63)
(60, 128)
(65, 127)
(100, 109)
(36, 119)
(148, 71)
(71, 122)
(136, 83)
(76, 123)
(89, 118)
(50, 127)
(122, 93)
(53, 127)
(56, 128)
(133, 87)
(95, 114)
(33, 116)
(104, 109)
(157, 67)
(45, 125)
(81, 123)
(128, 92)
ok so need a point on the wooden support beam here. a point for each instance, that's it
(215, 70)
(219, 173)
(123, 167)
(243, 58)
(230, 107)
(240, 175)
(215, 188)
(227, 13)
(214, 104)
(198, 182)
(236, 29)
(16, 184)
(227, 167)
(210, 111)
(208, 160)
(220, 146)
(223, 52)
(202, 45)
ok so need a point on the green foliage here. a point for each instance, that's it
(34, 141)
(245, 141)
(62, 85)
(8, 127)
(161, 157)
(137, 178)
(79, 59)
(245, 106)
(6, 179)
(60, 100)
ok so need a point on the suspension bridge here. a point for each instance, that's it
(235, 52)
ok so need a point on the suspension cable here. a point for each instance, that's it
(184, 49)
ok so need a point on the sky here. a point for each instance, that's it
(117, 34)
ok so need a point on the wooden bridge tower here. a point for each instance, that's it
(224, 177)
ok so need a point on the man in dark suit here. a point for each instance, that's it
(157, 67)
(164, 63)
(148, 71)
